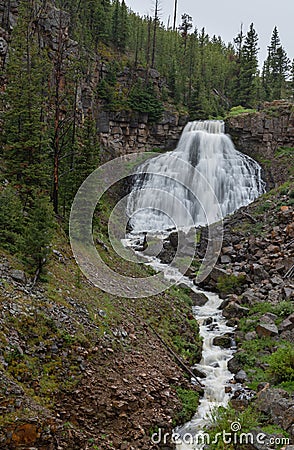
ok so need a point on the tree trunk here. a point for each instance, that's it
(175, 15)
(154, 34)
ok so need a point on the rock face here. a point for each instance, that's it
(8, 13)
(259, 135)
(120, 132)
(279, 405)
(126, 132)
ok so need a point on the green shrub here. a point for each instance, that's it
(229, 284)
(223, 418)
(236, 110)
(37, 234)
(190, 400)
(281, 364)
(283, 309)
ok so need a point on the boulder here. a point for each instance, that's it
(288, 292)
(268, 318)
(286, 325)
(250, 335)
(241, 376)
(235, 310)
(278, 405)
(173, 239)
(234, 364)
(276, 281)
(19, 276)
(198, 373)
(216, 273)
(267, 329)
(198, 298)
(249, 297)
(222, 341)
(259, 273)
(225, 259)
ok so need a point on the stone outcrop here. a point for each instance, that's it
(120, 132)
(260, 134)
(8, 13)
(279, 406)
(125, 132)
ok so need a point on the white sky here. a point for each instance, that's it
(224, 18)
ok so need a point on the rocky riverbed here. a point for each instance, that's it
(254, 276)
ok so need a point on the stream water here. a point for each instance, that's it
(214, 358)
(212, 179)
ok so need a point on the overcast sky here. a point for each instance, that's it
(224, 18)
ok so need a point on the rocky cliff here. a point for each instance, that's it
(263, 135)
(126, 132)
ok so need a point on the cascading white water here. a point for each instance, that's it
(214, 170)
(211, 179)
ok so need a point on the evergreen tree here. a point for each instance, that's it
(123, 27)
(155, 26)
(115, 23)
(291, 83)
(184, 28)
(275, 69)
(37, 234)
(11, 218)
(25, 135)
(248, 69)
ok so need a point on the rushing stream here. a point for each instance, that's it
(212, 179)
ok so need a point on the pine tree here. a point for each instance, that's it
(184, 28)
(155, 27)
(291, 83)
(25, 135)
(11, 218)
(37, 234)
(276, 69)
(123, 27)
(115, 23)
(248, 69)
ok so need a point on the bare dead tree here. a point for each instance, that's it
(175, 14)
(155, 26)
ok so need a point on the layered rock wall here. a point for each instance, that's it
(127, 132)
(261, 134)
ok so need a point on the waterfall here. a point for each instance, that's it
(205, 173)
(204, 179)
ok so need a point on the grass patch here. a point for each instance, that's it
(190, 401)
(237, 110)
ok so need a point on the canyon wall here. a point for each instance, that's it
(263, 135)
(127, 132)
